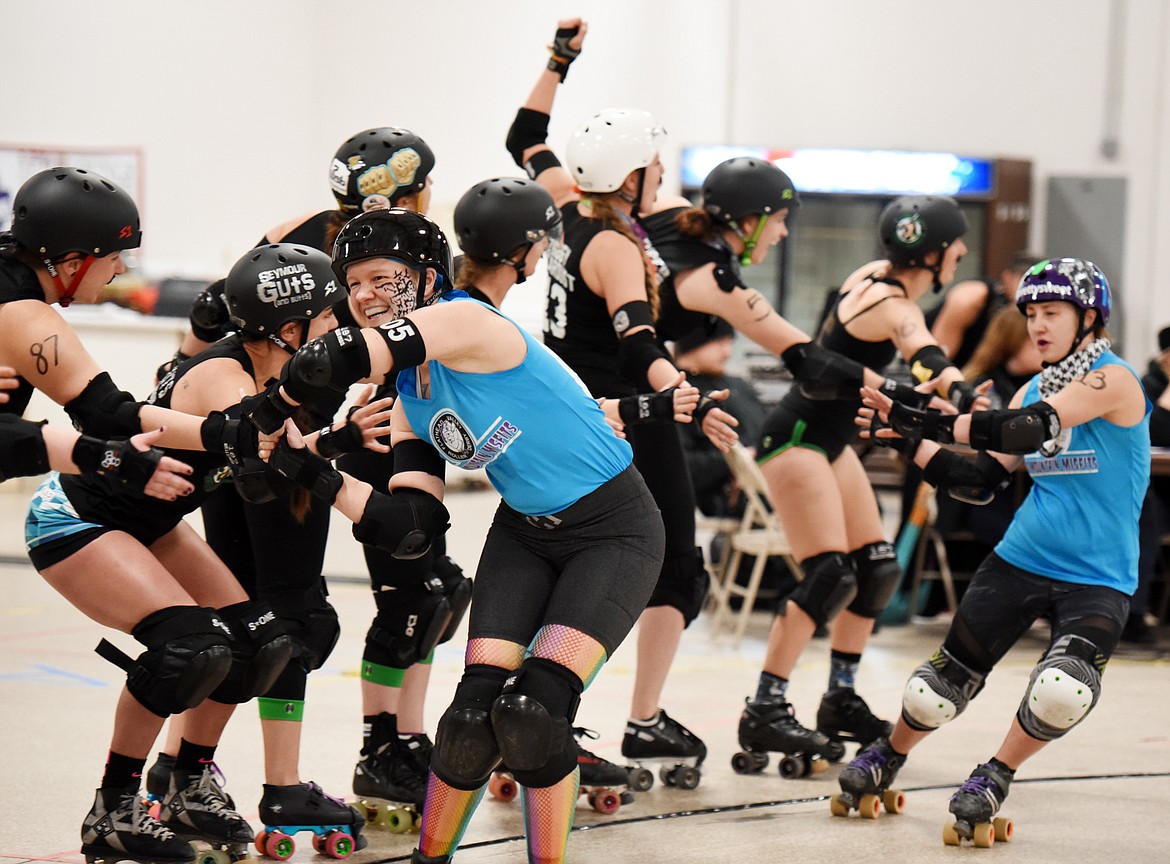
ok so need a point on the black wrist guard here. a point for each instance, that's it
(308, 470)
(706, 404)
(1014, 430)
(332, 443)
(22, 448)
(562, 55)
(267, 411)
(236, 439)
(104, 411)
(905, 394)
(118, 460)
(823, 374)
(915, 425)
(647, 407)
(962, 395)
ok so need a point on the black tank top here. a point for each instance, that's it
(17, 282)
(681, 254)
(107, 502)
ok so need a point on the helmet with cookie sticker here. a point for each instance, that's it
(378, 167)
(912, 226)
(277, 283)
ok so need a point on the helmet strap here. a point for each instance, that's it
(749, 243)
(65, 292)
(519, 264)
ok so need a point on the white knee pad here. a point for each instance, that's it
(1063, 689)
(938, 691)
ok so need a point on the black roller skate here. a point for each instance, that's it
(158, 782)
(772, 726)
(390, 779)
(865, 783)
(288, 810)
(667, 741)
(605, 783)
(974, 807)
(419, 858)
(119, 828)
(844, 716)
(197, 809)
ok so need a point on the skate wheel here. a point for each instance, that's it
(338, 844)
(666, 775)
(627, 798)
(951, 836)
(688, 777)
(399, 821)
(641, 779)
(818, 766)
(792, 768)
(261, 838)
(368, 811)
(213, 856)
(869, 806)
(894, 801)
(983, 835)
(605, 801)
(742, 763)
(1003, 829)
(318, 844)
(502, 786)
(279, 845)
(837, 806)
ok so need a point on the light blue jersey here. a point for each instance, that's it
(1079, 522)
(541, 437)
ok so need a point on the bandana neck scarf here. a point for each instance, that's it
(1058, 376)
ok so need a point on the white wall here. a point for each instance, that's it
(238, 106)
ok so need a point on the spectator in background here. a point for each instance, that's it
(965, 313)
(1155, 518)
(703, 355)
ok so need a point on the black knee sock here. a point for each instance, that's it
(192, 758)
(122, 772)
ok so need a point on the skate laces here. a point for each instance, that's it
(874, 760)
(982, 785)
(209, 792)
(580, 732)
(141, 822)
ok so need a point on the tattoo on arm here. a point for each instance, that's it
(753, 300)
(908, 326)
(45, 354)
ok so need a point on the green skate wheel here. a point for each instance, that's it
(398, 821)
(337, 844)
(279, 845)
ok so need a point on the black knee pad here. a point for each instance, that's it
(533, 722)
(261, 648)
(312, 622)
(188, 653)
(410, 621)
(682, 585)
(465, 745)
(878, 575)
(828, 585)
(456, 588)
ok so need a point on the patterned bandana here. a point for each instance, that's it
(1056, 377)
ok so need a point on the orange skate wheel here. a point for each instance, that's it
(894, 801)
(1003, 828)
(838, 807)
(260, 840)
(502, 786)
(869, 807)
(984, 835)
(951, 836)
(605, 801)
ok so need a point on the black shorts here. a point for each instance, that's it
(826, 427)
(1003, 601)
(591, 567)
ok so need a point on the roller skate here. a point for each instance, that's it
(865, 783)
(158, 782)
(844, 716)
(974, 807)
(288, 810)
(197, 809)
(765, 726)
(119, 828)
(605, 783)
(667, 741)
(390, 779)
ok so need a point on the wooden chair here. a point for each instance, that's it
(758, 535)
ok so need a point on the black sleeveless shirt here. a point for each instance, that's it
(17, 282)
(107, 502)
(681, 254)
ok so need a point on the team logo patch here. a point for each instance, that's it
(452, 437)
(621, 322)
(909, 229)
(339, 176)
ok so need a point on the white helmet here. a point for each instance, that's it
(609, 145)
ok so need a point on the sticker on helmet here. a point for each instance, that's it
(908, 230)
(339, 177)
(292, 283)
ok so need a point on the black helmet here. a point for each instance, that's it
(744, 186)
(281, 282)
(913, 226)
(63, 210)
(377, 167)
(498, 216)
(402, 235)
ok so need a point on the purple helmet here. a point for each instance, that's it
(1074, 280)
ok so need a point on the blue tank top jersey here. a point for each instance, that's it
(1079, 522)
(541, 437)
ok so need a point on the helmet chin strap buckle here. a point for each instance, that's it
(65, 292)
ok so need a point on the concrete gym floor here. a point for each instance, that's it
(1097, 795)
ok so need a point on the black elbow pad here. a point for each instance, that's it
(928, 363)
(973, 481)
(104, 411)
(404, 523)
(636, 354)
(821, 373)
